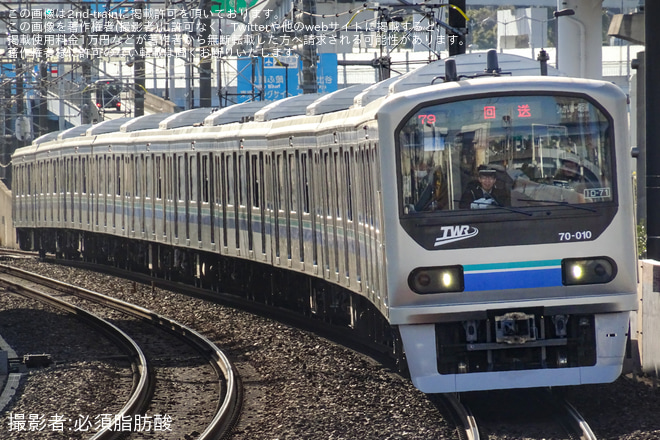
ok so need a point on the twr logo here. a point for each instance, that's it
(455, 233)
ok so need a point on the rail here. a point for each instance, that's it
(580, 424)
(230, 390)
(141, 374)
(465, 417)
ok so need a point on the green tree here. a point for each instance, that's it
(482, 24)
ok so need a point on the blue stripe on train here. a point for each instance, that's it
(519, 279)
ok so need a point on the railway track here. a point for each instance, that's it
(536, 413)
(466, 424)
(155, 359)
(560, 419)
(337, 333)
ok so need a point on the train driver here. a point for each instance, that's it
(487, 192)
(569, 172)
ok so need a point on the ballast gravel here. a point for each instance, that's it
(301, 386)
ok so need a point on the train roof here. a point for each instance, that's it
(186, 118)
(341, 99)
(145, 122)
(372, 93)
(234, 113)
(46, 137)
(79, 130)
(291, 106)
(468, 65)
(108, 126)
(355, 98)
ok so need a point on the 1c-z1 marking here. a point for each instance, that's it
(579, 235)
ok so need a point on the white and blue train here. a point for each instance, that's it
(481, 228)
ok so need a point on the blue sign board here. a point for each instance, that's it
(8, 70)
(326, 72)
(249, 71)
(280, 77)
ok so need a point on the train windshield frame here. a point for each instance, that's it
(516, 152)
(108, 94)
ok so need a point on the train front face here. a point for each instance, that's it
(510, 244)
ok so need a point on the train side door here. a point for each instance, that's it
(231, 225)
(206, 228)
(258, 230)
(243, 212)
(193, 200)
(278, 222)
(268, 208)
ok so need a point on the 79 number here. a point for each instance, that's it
(427, 119)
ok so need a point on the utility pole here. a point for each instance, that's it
(308, 72)
(43, 94)
(86, 111)
(138, 64)
(456, 41)
(205, 57)
(6, 141)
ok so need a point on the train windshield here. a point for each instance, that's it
(505, 151)
(108, 94)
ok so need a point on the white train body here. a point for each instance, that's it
(519, 258)
(535, 292)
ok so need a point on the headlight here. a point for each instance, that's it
(587, 271)
(436, 279)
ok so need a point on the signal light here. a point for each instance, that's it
(425, 280)
(576, 271)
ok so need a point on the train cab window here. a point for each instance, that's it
(538, 150)
(108, 94)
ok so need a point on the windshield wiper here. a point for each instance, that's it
(559, 203)
(507, 208)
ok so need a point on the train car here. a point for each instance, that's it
(481, 229)
(108, 94)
